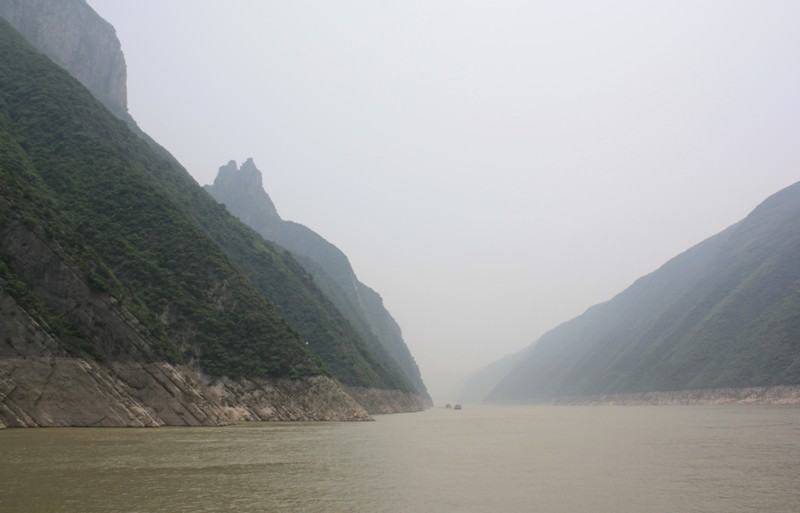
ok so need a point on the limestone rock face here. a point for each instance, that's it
(114, 332)
(316, 398)
(42, 387)
(379, 401)
(60, 392)
(71, 354)
(129, 386)
(76, 38)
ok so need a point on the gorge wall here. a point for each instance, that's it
(721, 316)
(74, 349)
(76, 38)
(242, 191)
(41, 384)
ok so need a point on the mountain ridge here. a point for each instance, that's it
(722, 314)
(241, 191)
(135, 298)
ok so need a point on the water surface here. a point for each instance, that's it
(482, 459)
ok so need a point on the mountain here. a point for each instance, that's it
(725, 313)
(129, 297)
(76, 38)
(241, 190)
(478, 385)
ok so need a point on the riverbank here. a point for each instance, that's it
(787, 395)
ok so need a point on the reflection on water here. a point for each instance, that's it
(480, 459)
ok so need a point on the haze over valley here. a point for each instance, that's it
(297, 232)
(525, 213)
(491, 169)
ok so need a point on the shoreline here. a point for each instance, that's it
(775, 395)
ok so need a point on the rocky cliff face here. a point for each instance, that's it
(78, 345)
(248, 183)
(51, 391)
(241, 191)
(71, 353)
(41, 385)
(77, 39)
(379, 401)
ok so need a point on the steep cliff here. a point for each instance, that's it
(124, 299)
(241, 190)
(76, 38)
(120, 380)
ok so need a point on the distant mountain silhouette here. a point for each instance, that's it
(241, 190)
(478, 385)
(725, 313)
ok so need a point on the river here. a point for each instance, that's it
(549, 459)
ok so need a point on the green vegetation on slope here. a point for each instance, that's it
(119, 207)
(726, 313)
(241, 191)
(56, 324)
(285, 283)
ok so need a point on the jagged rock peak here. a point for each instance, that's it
(241, 191)
(243, 185)
(250, 171)
(76, 38)
(232, 176)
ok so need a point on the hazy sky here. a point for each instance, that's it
(491, 167)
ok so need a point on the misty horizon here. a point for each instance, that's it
(419, 256)
(492, 170)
